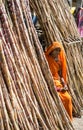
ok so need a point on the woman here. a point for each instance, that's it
(57, 63)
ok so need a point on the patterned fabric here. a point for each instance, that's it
(80, 21)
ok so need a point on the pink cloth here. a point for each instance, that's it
(80, 21)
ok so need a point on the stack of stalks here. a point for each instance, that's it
(59, 25)
(28, 99)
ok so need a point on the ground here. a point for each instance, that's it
(78, 123)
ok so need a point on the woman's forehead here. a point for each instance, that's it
(57, 48)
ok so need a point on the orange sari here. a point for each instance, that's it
(55, 67)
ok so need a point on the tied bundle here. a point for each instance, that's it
(28, 100)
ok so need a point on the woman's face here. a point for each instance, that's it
(55, 52)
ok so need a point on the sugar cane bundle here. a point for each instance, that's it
(70, 27)
(64, 20)
(58, 14)
(27, 95)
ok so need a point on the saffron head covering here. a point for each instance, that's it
(52, 47)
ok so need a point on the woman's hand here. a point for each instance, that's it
(64, 89)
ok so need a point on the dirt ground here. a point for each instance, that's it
(78, 123)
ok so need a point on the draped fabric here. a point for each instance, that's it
(61, 57)
(80, 21)
(57, 67)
